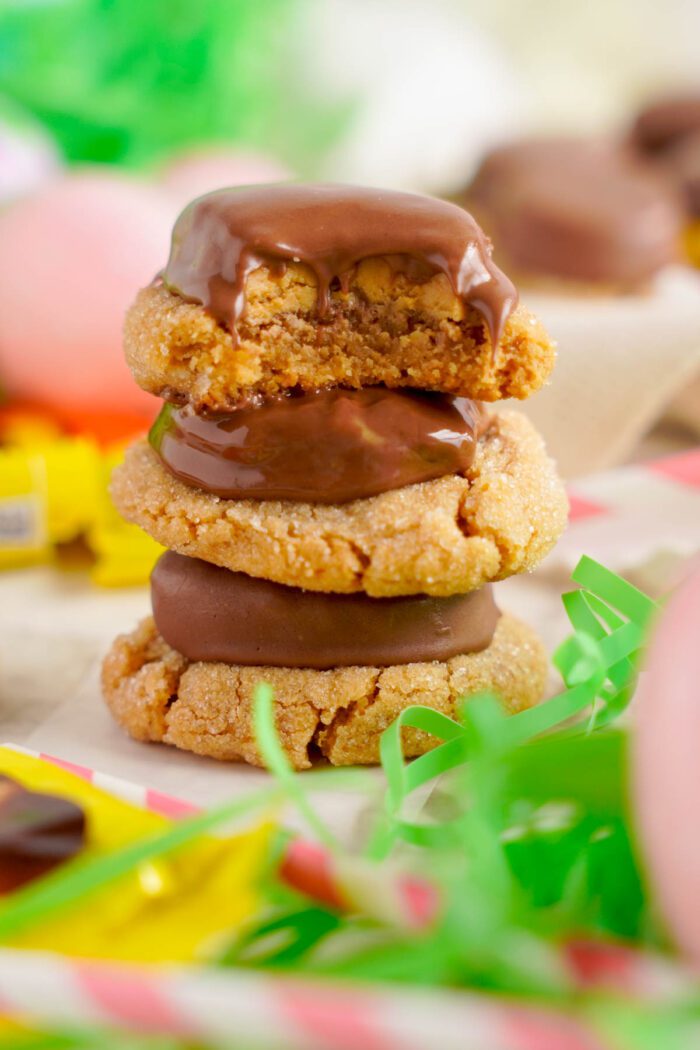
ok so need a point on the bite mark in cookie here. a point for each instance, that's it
(385, 329)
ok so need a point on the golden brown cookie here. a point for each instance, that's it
(157, 695)
(441, 537)
(384, 329)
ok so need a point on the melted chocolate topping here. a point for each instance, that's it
(37, 832)
(222, 237)
(580, 210)
(331, 446)
(213, 614)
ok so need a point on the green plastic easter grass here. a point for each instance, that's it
(122, 82)
(526, 831)
(598, 663)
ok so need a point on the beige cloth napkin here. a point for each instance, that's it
(621, 360)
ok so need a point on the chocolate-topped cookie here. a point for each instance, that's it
(158, 695)
(307, 286)
(441, 537)
(579, 211)
(666, 134)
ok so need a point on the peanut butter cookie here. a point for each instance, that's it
(157, 695)
(441, 537)
(385, 328)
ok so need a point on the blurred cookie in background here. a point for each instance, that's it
(575, 215)
(595, 234)
(667, 133)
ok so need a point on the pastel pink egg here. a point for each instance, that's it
(666, 765)
(201, 171)
(72, 257)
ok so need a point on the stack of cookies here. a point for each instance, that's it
(335, 496)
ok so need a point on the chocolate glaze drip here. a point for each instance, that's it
(581, 210)
(212, 614)
(331, 446)
(222, 237)
(37, 832)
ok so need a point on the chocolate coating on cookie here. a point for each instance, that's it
(581, 210)
(156, 694)
(211, 614)
(222, 237)
(446, 536)
(331, 446)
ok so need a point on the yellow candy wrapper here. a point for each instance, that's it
(49, 494)
(24, 537)
(124, 554)
(179, 908)
(53, 491)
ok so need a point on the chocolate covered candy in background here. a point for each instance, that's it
(595, 236)
(38, 832)
(578, 215)
(666, 135)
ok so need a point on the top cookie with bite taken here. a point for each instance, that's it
(271, 288)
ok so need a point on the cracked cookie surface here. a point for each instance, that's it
(158, 695)
(386, 329)
(441, 537)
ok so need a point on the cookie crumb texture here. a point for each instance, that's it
(158, 695)
(441, 537)
(384, 329)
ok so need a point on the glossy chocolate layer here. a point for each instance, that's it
(37, 832)
(211, 614)
(331, 446)
(222, 237)
(581, 210)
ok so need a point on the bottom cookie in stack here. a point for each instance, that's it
(343, 666)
